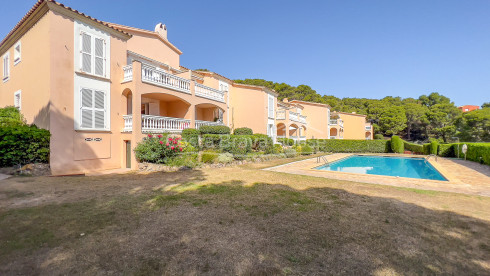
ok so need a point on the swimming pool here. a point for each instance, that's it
(384, 165)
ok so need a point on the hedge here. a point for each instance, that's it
(433, 147)
(20, 145)
(339, 145)
(426, 148)
(243, 131)
(213, 141)
(262, 142)
(415, 148)
(475, 151)
(191, 136)
(397, 145)
(285, 141)
(378, 136)
(214, 130)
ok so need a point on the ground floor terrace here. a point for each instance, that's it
(239, 220)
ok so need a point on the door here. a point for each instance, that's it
(128, 154)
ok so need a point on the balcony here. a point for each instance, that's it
(128, 73)
(207, 123)
(281, 115)
(336, 122)
(369, 128)
(158, 77)
(209, 93)
(156, 124)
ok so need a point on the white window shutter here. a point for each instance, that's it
(86, 52)
(86, 110)
(99, 109)
(99, 56)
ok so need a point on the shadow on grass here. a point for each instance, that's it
(229, 228)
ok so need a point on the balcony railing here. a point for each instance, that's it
(207, 123)
(368, 127)
(334, 122)
(209, 93)
(128, 73)
(302, 119)
(281, 115)
(155, 124)
(293, 116)
(156, 76)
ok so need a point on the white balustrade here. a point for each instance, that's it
(207, 123)
(281, 136)
(333, 137)
(302, 119)
(161, 78)
(128, 73)
(293, 116)
(368, 127)
(151, 123)
(333, 122)
(128, 123)
(209, 93)
(281, 115)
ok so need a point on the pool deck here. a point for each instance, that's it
(465, 177)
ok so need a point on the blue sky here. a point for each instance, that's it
(343, 48)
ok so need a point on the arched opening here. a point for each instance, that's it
(333, 133)
(303, 132)
(128, 95)
(164, 113)
(208, 114)
(281, 130)
(293, 131)
(368, 135)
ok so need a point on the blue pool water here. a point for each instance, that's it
(382, 165)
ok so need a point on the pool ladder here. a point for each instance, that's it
(322, 158)
(430, 155)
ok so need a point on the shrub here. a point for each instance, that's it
(243, 131)
(23, 144)
(447, 150)
(11, 116)
(378, 136)
(426, 148)
(158, 148)
(433, 147)
(214, 130)
(191, 136)
(225, 158)
(415, 148)
(214, 141)
(285, 141)
(262, 142)
(478, 152)
(209, 156)
(278, 148)
(397, 144)
(306, 150)
(290, 153)
(339, 145)
(189, 160)
(240, 145)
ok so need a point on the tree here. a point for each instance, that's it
(11, 116)
(393, 120)
(441, 119)
(474, 126)
(433, 99)
(485, 105)
(415, 114)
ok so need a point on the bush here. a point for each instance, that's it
(209, 156)
(447, 150)
(11, 116)
(285, 141)
(426, 148)
(21, 144)
(306, 150)
(243, 131)
(191, 136)
(433, 147)
(338, 145)
(378, 136)
(240, 145)
(478, 152)
(158, 149)
(225, 158)
(262, 142)
(214, 130)
(214, 141)
(189, 160)
(415, 148)
(397, 144)
(278, 148)
(290, 153)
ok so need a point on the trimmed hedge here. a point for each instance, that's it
(20, 145)
(426, 148)
(433, 147)
(338, 145)
(213, 141)
(243, 131)
(397, 145)
(285, 141)
(378, 136)
(262, 142)
(191, 136)
(214, 130)
(415, 148)
(478, 152)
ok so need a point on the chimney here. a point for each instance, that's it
(285, 100)
(161, 29)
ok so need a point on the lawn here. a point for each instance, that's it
(237, 220)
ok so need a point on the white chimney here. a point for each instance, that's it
(161, 29)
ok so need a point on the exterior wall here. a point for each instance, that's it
(354, 126)
(248, 108)
(34, 65)
(317, 118)
(152, 47)
(468, 108)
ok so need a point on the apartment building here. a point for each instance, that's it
(350, 126)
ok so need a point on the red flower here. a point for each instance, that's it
(180, 149)
(175, 142)
(172, 147)
(160, 136)
(149, 135)
(170, 139)
(161, 142)
(168, 144)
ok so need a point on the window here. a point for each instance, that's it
(93, 109)
(18, 100)
(17, 53)
(92, 54)
(6, 66)
(271, 106)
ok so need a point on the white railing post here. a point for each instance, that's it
(209, 93)
(128, 123)
(157, 76)
(157, 124)
(128, 73)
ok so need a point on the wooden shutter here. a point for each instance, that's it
(99, 109)
(99, 57)
(86, 109)
(86, 52)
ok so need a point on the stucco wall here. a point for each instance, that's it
(317, 120)
(354, 126)
(152, 47)
(248, 108)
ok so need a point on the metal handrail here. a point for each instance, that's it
(319, 158)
